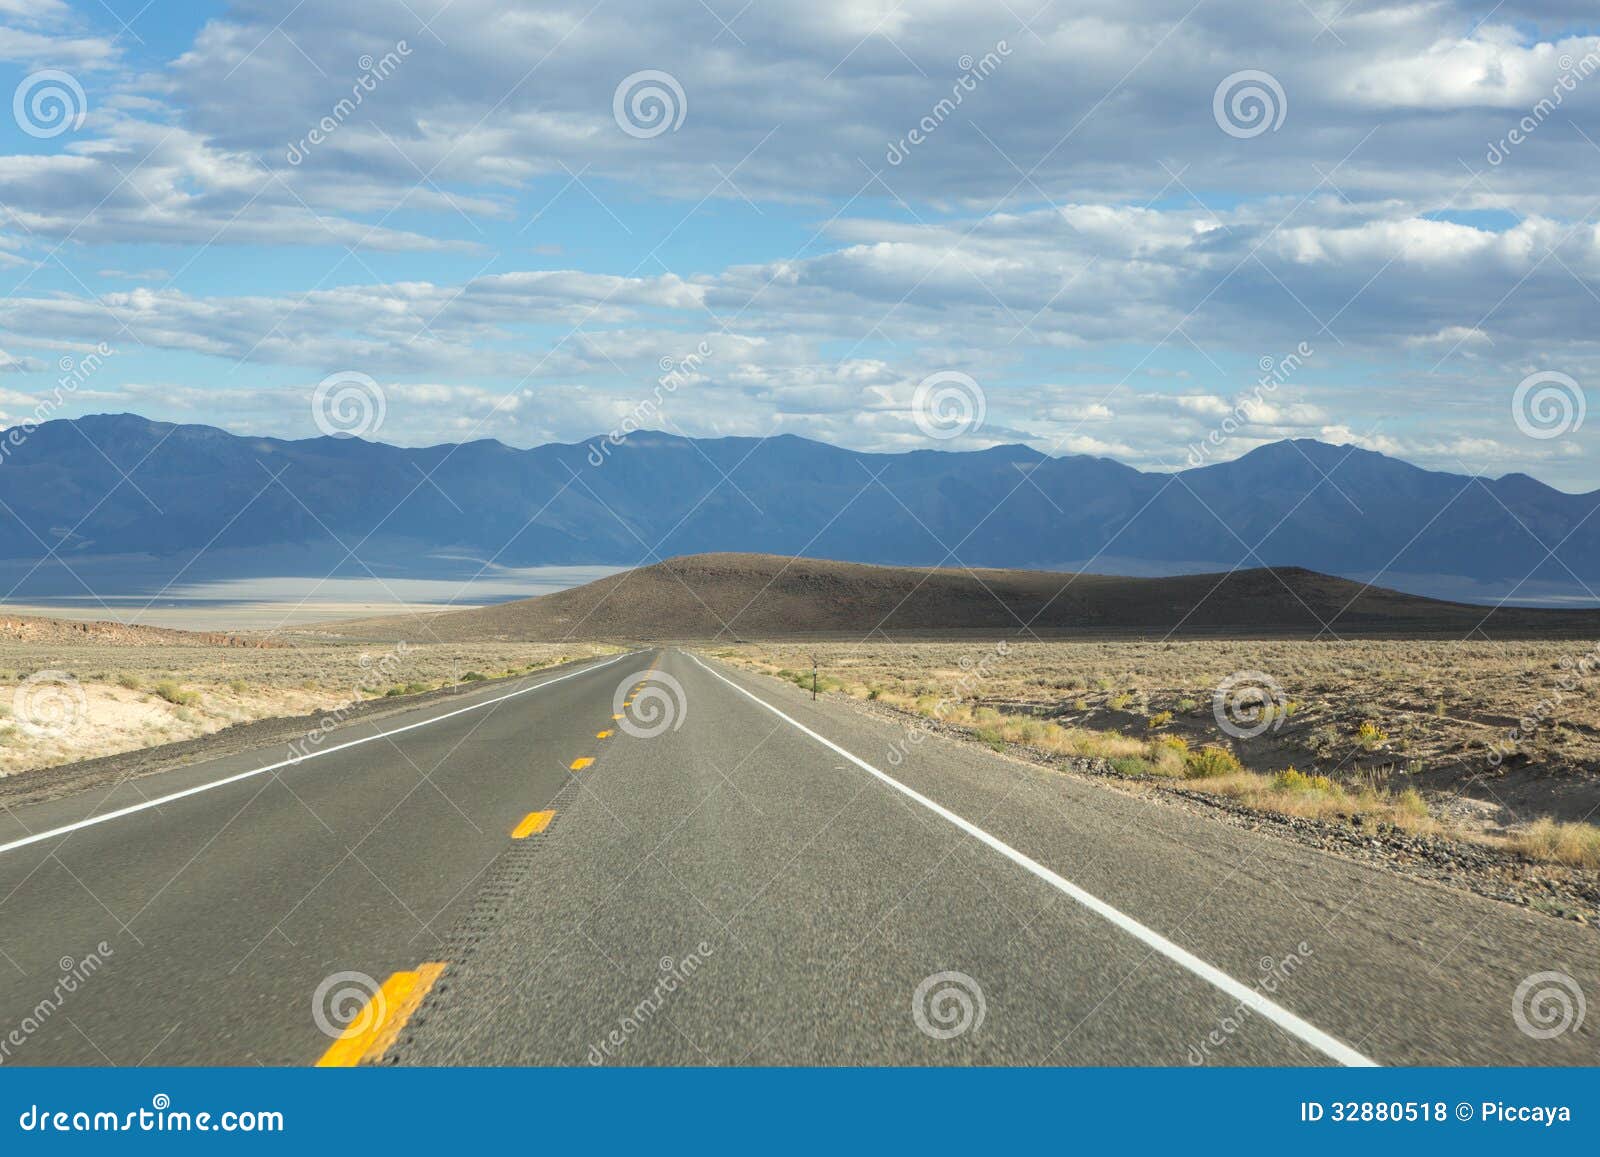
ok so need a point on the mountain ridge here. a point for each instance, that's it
(106, 485)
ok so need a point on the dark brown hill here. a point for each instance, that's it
(730, 596)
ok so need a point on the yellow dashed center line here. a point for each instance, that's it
(532, 824)
(378, 1024)
(582, 762)
(626, 703)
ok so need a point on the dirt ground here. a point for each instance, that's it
(1493, 739)
(66, 697)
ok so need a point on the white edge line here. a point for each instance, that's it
(1282, 1017)
(166, 799)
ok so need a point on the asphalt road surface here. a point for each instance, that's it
(658, 859)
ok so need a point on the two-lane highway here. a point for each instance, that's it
(848, 893)
(659, 859)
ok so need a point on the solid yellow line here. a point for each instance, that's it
(532, 824)
(616, 717)
(604, 734)
(378, 1024)
(582, 762)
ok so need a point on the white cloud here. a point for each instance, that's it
(1491, 68)
(47, 34)
(1451, 336)
(1079, 219)
(1209, 405)
(793, 103)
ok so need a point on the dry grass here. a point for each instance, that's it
(124, 698)
(1577, 844)
(1389, 731)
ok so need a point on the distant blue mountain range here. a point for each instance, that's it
(107, 487)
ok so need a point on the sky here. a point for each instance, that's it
(1165, 233)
